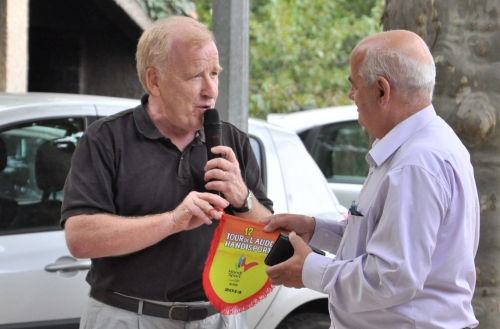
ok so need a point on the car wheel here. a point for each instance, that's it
(309, 320)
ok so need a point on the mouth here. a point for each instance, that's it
(204, 107)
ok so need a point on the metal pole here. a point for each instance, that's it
(230, 27)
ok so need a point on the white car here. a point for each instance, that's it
(338, 144)
(42, 285)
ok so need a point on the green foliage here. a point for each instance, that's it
(157, 9)
(204, 10)
(299, 50)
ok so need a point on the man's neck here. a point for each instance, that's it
(179, 137)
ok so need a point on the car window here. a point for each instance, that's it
(257, 150)
(340, 150)
(34, 161)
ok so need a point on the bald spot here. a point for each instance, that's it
(401, 41)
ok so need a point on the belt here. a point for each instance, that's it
(173, 312)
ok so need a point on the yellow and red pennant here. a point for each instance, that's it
(234, 276)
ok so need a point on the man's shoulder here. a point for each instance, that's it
(113, 122)
(233, 136)
(436, 149)
(436, 139)
(232, 128)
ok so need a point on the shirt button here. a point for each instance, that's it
(326, 235)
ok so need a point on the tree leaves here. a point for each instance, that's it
(299, 50)
(157, 9)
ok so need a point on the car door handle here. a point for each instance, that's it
(74, 265)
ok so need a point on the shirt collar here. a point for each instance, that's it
(147, 127)
(383, 148)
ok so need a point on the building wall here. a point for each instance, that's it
(13, 45)
(77, 46)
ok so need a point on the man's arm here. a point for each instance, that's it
(386, 272)
(102, 235)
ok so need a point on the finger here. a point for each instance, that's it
(269, 270)
(205, 211)
(201, 215)
(276, 281)
(213, 205)
(273, 271)
(214, 200)
(274, 222)
(227, 152)
(213, 172)
(219, 209)
(274, 275)
(298, 244)
(216, 214)
(265, 220)
(216, 163)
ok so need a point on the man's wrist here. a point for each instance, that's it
(247, 205)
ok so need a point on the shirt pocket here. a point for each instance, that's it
(353, 242)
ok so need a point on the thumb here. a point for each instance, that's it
(298, 244)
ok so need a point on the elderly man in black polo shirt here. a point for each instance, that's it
(137, 198)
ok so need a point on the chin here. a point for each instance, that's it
(198, 121)
(199, 118)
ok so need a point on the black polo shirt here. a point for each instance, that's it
(123, 165)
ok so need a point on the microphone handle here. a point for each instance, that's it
(213, 136)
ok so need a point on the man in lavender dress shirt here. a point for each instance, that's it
(405, 256)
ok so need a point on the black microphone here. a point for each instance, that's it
(213, 132)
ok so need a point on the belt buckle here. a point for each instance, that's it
(172, 308)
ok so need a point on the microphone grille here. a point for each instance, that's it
(211, 117)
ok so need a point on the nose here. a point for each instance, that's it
(210, 87)
(351, 94)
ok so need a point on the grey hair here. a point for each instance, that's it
(407, 74)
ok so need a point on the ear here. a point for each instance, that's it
(384, 90)
(152, 81)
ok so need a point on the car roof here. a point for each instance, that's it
(11, 100)
(268, 125)
(304, 120)
(297, 120)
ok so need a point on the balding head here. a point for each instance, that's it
(403, 58)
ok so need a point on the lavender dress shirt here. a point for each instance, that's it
(408, 261)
